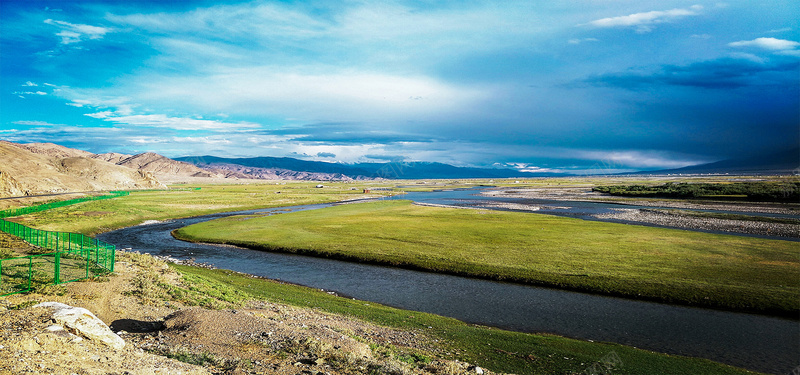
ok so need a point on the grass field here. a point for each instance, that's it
(676, 266)
(495, 349)
(101, 216)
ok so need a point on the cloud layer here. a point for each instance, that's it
(535, 85)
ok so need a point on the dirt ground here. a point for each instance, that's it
(260, 338)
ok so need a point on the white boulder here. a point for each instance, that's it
(83, 322)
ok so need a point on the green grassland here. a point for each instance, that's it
(677, 266)
(669, 265)
(100, 216)
(183, 201)
(495, 349)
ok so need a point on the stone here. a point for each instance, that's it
(83, 322)
(476, 369)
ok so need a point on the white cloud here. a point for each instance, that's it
(335, 96)
(769, 44)
(104, 114)
(73, 33)
(781, 30)
(525, 167)
(69, 37)
(34, 123)
(643, 22)
(177, 123)
(30, 84)
(583, 40)
(637, 159)
(89, 98)
(349, 35)
(748, 56)
(791, 52)
(20, 93)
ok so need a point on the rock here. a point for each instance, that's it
(84, 322)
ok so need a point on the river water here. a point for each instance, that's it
(755, 342)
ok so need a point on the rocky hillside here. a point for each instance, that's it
(241, 171)
(54, 150)
(111, 157)
(47, 168)
(165, 168)
(35, 169)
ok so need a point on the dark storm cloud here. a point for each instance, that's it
(723, 73)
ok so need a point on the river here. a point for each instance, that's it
(755, 342)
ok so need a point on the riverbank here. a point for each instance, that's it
(676, 219)
(223, 322)
(587, 195)
(684, 214)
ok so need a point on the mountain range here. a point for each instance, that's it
(46, 168)
(392, 170)
(785, 162)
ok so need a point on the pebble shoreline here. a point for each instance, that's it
(714, 224)
(659, 218)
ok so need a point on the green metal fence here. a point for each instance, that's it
(74, 257)
(46, 206)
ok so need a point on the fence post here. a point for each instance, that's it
(30, 272)
(113, 258)
(57, 276)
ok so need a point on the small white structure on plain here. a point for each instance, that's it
(320, 186)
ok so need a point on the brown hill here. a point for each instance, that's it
(53, 150)
(165, 168)
(83, 171)
(23, 172)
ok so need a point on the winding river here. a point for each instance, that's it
(755, 342)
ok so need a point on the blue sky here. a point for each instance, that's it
(576, 86)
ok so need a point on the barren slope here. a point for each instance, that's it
(163, 167)
(23, 172)
(53, 150)
(111, 157)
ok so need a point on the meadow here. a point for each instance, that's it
(668, 265)
(187, 200)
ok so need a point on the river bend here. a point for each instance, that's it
(750, 341)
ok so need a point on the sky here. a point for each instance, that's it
(550, 86)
